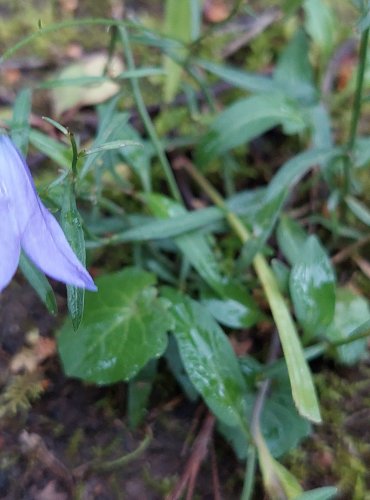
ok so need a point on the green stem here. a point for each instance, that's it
(70, 23)
(125, 459)
(74, 155)
(303, 390)
(250, 472)
(356, 109)
(194, 46)
(166, 167)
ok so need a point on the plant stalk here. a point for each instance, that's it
(303, 389)
(356, 109)
(166, 167)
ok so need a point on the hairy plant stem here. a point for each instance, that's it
(356, 110)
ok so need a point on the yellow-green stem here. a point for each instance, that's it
(303, 389)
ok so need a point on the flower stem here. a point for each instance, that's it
(250, 472)
(303, 390)
(356, 109)
(166, 167)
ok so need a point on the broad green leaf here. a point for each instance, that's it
(241, 79)
(312, 288)
(176, 366)
(123, 327)
(291, 238)
(320, 24)
(193, 244)
(362, 152)
(209, 359)
(253, 205)
(195, 247)
(20, 128)
(178, 24)
(246, 119)
(236, 310)
(39, 283)
(281, 272)
(325, 493)
(170, 228)
(294, 73)
(293, 170)
(268, 212)
(321, 126)
(359, 210)
(351, 311)
(281, 425)
(71, 223)
(364, 21)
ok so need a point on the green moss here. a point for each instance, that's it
(162, 486)
(338, 452)
(22, 18)
(74, 443)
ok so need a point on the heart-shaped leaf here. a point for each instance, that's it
(124, 326)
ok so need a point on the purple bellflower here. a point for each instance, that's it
(26, 224)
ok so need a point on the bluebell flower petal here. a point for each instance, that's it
(17, 179)
(26, 223)
(45, 244)
(9, 244)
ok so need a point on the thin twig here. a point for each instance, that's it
(199, 452)
(215, 475)
(33, 445)
(348, 251)
(109, 465)
(257, 26)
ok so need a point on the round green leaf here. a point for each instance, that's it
(123, 327)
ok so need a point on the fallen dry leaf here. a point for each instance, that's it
(31, 356)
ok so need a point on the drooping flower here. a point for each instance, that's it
(26, 224)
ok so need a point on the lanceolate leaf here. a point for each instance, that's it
(247, 119)
(351, 312)
(124, 326)
(178, 24)
(324, 493)
(294, 71)
(241, 79)
(72, 226)
(291, 238)
(39, 282)
(200, 255)
(20, 122)
(208, 359)
(312, 287)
